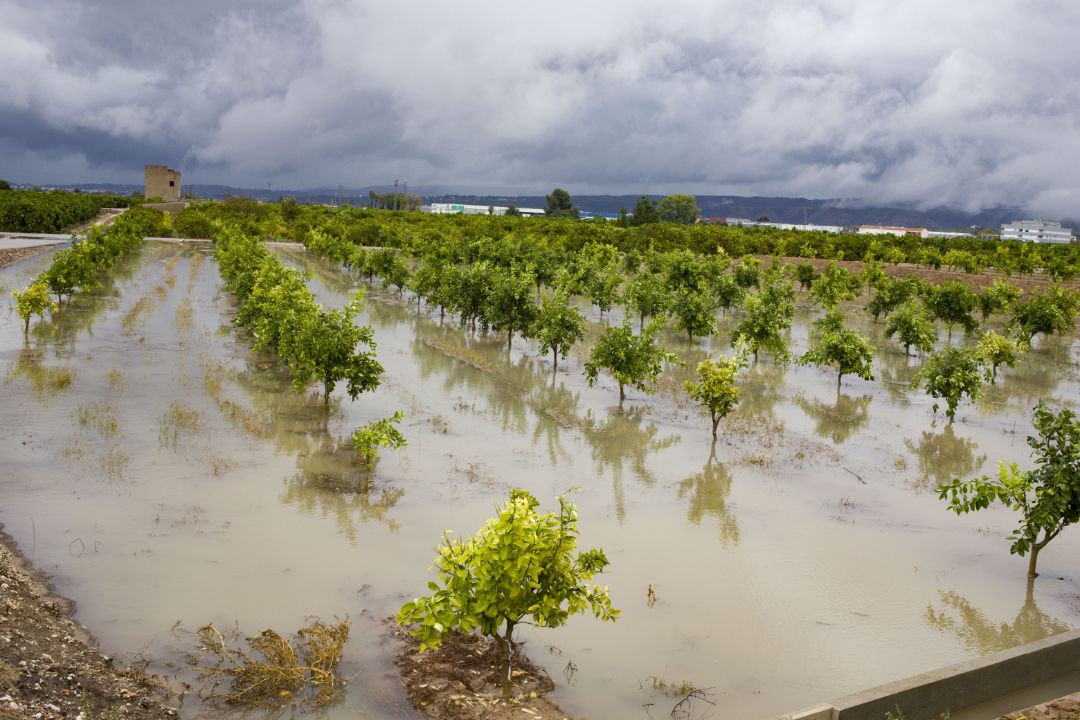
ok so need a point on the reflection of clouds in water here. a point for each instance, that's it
(960, 618)
(708, 493)
(944, 457)
(838, 421)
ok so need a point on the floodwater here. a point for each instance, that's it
(174, 479)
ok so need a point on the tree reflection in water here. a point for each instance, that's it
(944, 457)
(840, 420)
(623, 441)
(708, 492)
(960, 618)
(331, 479)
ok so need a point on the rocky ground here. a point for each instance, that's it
(49, 666)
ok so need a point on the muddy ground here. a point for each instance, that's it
(1066, 708)
(50, 667)
(460, 680)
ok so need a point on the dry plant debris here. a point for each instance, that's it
(272, 670)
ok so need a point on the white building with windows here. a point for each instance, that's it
(1040, 231)
(462, 209)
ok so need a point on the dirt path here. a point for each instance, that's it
(49, 666)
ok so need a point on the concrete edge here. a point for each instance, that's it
(958, 686)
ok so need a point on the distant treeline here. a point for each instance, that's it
(54, 211)
(410, 230)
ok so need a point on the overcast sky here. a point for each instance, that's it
(971, 103)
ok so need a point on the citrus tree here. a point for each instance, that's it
(1053, 311)
(715, 389)
(631, 359)
(952, 302)
(558, 326)
(693, 312)
(510, 306)
(371, 437)
(33, 300)
(1047, 497)
(521, 566)
(997, 350)
(647, 295)
(951, 374)
(912, 328)
(324, 348)
(835, 285)
(849, 351)
(768, 316)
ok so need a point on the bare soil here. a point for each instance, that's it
(1066, 708)
(50, 667)
(460, 680)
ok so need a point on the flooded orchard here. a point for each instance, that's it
(167, 476)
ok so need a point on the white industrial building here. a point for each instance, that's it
(901, 231)
(462, 209)
(1040, 231)
(779, 225)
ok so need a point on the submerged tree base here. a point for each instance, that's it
(459, 680)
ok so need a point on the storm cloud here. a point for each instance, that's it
(971, 104)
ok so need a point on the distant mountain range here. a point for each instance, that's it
(776, 209)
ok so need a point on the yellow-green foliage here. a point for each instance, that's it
(34, 300)
(716, 389)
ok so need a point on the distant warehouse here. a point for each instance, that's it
(902, 231)
(461, 209)
(1040, 231)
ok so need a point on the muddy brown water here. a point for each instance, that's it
(177, 479)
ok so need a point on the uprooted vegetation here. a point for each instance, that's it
(272, 671)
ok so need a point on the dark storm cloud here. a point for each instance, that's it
(921, 102)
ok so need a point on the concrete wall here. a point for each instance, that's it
(162, 182)
(169, 207)
(958, 686)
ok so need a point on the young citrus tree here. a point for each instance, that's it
(1047, 497)
(912, 328)
(767, 319)
(835, 285)
(647, 296)
(952, 302)
(510, 305)
(693, 313)
(951, 374)
(558, 326)
(324, 348)
(33, 300)
(371, 437)
(716, 389)
(631, 359)
(849, 351)
(521, 566)
(997, 350)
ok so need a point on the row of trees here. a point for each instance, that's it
(52, 212)
(282, 315)
(78, 268)
(558, 236)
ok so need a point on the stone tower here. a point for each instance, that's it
(162, 182)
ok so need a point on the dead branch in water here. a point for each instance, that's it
(275, 670)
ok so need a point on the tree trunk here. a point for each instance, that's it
(326, 394)
(839, 375)
(1033, 560)
(715, 422)
(505, 643)
(509, 340)
(26, 326)
(622, 394)
(554, 361)
(641, 323)
(993, 375)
